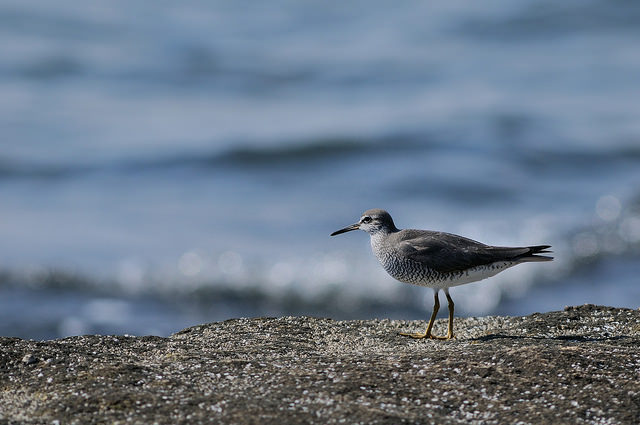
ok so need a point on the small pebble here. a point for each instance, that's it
(29, 359)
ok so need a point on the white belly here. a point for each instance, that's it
(473, 275)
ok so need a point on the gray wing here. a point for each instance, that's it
(446, 252)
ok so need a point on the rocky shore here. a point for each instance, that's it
(580, 365)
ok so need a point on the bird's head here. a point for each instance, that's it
(372, 221)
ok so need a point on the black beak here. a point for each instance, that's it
(355, 226)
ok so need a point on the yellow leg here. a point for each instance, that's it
(427, 333)
(451, 305)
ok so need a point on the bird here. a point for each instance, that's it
(438, 260)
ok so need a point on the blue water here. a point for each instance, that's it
(167, 164)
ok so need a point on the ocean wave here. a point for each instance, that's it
(245, 155)
(566, 159)
(553, 20)
(335, 282)
(318, 151)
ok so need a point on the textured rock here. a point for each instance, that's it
(581, 365)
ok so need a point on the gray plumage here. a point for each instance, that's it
(438, 260)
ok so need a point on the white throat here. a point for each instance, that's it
(376, 242)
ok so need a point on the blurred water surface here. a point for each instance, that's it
(164, 164)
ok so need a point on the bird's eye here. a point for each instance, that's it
(366, 219)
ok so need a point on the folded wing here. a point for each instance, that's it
(446, 252)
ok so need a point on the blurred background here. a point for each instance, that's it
(164, 164)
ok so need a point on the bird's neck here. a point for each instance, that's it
(377, 238)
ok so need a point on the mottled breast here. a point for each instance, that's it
(402, 268)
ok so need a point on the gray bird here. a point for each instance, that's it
(438, 260)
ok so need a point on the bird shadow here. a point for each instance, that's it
(570, 338)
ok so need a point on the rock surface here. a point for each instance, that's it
(581, 365)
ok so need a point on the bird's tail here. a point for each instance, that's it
(532, 254)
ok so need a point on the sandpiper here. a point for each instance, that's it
(438, 260)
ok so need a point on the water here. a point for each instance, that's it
(163, 164)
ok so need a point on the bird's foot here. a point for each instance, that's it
(442, 338)
(415, 336)
(424, 335)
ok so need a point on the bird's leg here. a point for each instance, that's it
(427, 333)
(451, 305)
